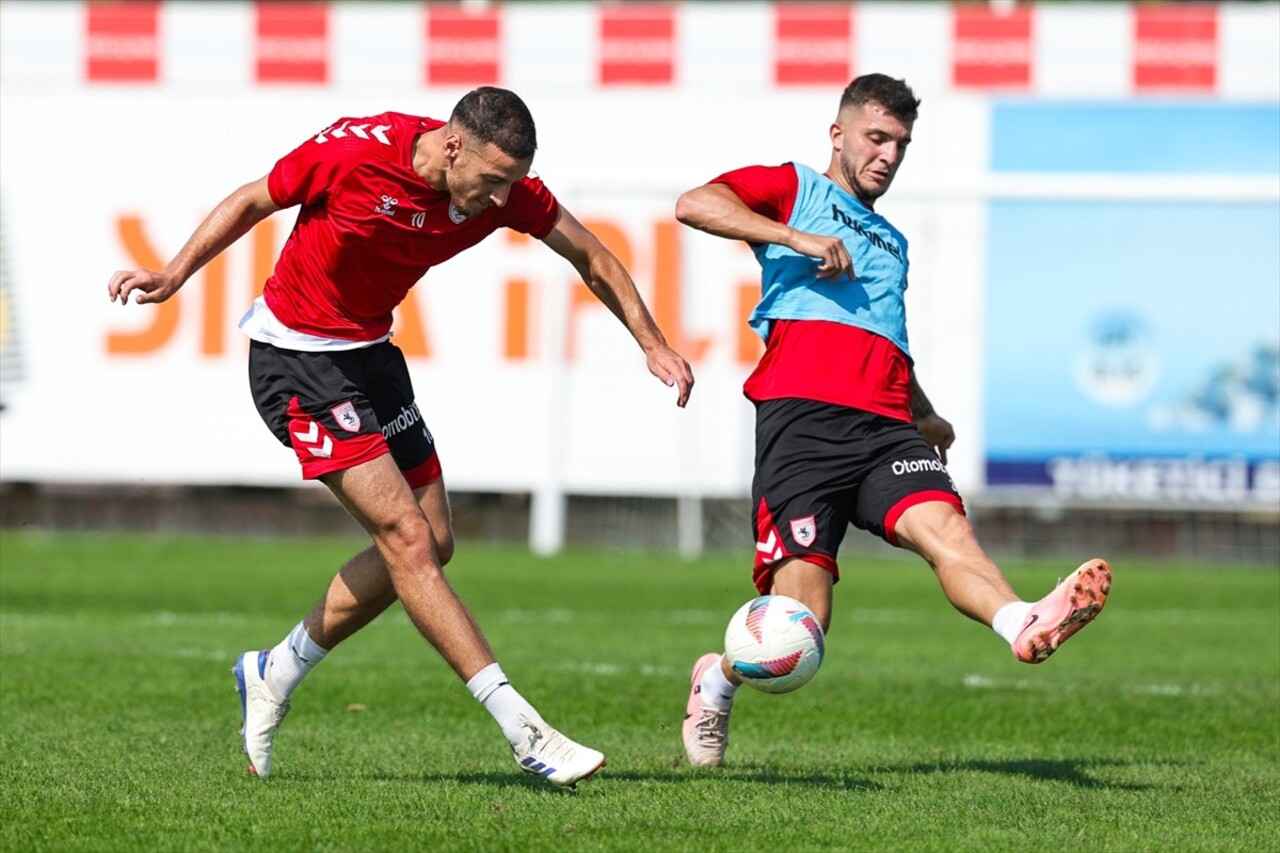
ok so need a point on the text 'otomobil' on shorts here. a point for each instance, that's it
(340, 408)
(821, 467)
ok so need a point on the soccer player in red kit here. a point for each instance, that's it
(382, 200)
(844, 433)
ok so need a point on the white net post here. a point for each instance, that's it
(547, 514)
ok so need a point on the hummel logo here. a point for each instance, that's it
(388, 206)
(340, 132)
(310, 439)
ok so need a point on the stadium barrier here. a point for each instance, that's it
(1082, 369)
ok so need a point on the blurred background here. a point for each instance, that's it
(1092, 200)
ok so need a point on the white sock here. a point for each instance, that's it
(292, 659)
(1009, 619)
(499, 698)
(717, 691)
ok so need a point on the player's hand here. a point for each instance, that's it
(833, 258)
(938, 432)
(669, 366)
(144, 285)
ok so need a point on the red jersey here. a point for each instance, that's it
(370, 228)
(819, 359)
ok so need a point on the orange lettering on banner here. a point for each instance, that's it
(410, 330)
(668, 302)
(581, 296)
(412, 335)
(264, 254)
(164, 316)
(516, 320)
(213, 323)
(750, 347)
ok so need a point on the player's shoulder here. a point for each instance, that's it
(757, 176)
(528, 193)
(786, 169)
(531, 183)
(373, 134)
(807, 173)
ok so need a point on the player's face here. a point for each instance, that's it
(868, 143)
(481, 176)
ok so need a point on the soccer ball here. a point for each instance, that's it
(774, 644)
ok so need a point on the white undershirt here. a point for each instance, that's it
(260, 324)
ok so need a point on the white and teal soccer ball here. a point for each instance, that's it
(774, 644)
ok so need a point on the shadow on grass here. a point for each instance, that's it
(684, 774)
(1075, 772)
(1072, 771)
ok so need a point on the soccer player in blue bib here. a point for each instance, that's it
(844, 432)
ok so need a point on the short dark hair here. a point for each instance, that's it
(894, 95)
(499, 116)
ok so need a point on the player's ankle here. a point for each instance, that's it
(1009, 620)
(717, 691)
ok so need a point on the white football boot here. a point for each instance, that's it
(261, 708)
(547, 753)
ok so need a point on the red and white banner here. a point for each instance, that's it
(1175, 48)
(1085, 49)
(464, 47)
(813, 45)
(292, 44)
(637, 45)
(123, 42)
(992, 47)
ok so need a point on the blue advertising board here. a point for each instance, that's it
(1133, 347)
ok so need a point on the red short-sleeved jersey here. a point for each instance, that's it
(369, 227)
(818, 359)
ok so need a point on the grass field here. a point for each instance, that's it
(1158, 728)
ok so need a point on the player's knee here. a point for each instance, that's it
(955, 528)
(444, 549)
(406, 541)
(934, 530)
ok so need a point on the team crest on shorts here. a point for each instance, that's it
(457, 217)
(804, 530)
(346, 416)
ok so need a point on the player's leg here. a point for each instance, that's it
(360, 592)
(339, 411)
(809, 583)
(379, 498)
(800, 516)
(909, 499)
(538, 747)
(352, 406)
(977, 588)
(362, 588)
(944, 538)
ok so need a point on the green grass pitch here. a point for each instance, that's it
(1157, 728)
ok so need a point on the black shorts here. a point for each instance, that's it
(339, 408)
(821, 467)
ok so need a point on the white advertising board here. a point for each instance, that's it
(122, 125)
(521, 374)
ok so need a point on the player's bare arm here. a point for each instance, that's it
(716, 209)
(226, 223)
(936, 429)
(609, 280)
